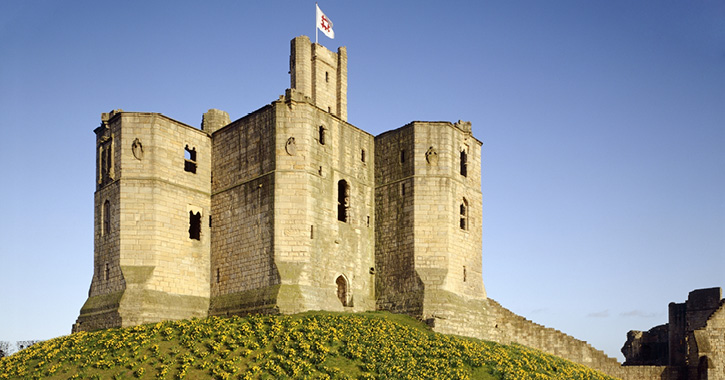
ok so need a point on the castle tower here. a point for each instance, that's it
(320, 74)
(151, 235)
(293, 199)
(428, 230)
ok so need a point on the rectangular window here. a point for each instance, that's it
(343, 200)
(402, 156)
(464, 163)
(190, 159)
(194, 225)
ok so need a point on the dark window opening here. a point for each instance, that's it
(402, 156)
(190, 159)
(106, 218)
(343, 200)
(107, 272)
(218, 276)
(321, 133)
(464, 215)
(464, 274)
(362, 155)
(327, 77)
(209, 221)
(312, 232)
(402, 188)
(368, 220)
(464, 163)
(342, 290)
(194, 225)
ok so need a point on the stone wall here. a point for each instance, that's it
(243, 275)
(711, 344)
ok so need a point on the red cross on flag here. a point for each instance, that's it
(323, 23)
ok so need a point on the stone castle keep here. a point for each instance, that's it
(291, 208)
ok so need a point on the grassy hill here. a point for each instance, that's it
(313, 345)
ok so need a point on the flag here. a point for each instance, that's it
(323, 23)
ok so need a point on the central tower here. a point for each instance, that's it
(293, 199)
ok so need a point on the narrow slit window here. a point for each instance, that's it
(464, 215)
(343, 200)
(312, 232)
(402, 156)
(321, 135)
(107, 272)
(327, 77)
(464, 163)
(194, 225)
(362, 155)
(190, 159)
(106, 211)
(218, 276)
(464, 274)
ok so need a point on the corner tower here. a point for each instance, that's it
(151, 236)
(428, 230)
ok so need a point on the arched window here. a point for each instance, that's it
(464, 163)
(106, 217)
(321, 138)
(343, 293)
(464, 215)
(343, 200)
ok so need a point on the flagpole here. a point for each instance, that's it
(316, 21)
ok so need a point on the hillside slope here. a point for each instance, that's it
(313, 345)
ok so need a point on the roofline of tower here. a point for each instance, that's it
(114, 115)
(448, 123)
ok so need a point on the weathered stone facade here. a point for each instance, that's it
(291, 208)
(692, 344)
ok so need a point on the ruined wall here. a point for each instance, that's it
(711, 345)
(647, 347)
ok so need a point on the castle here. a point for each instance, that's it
(290, 209)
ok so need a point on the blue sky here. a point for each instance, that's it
(603, 129)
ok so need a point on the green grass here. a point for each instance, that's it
(313, 345)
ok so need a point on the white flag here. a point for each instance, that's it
(324, 24)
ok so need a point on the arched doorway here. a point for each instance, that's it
(343, 292)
